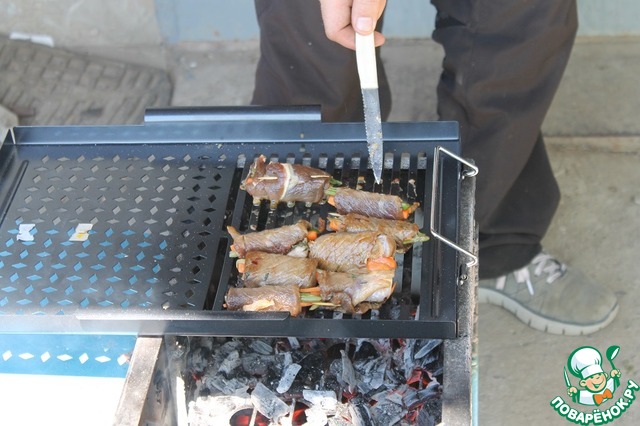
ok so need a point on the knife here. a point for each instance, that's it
(368, 73)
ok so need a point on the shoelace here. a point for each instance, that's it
(544, 264)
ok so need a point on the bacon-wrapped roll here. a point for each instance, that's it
(356, 291)
(404, 233)
(264, 299)
(264, 269)
(285, 182)
(279, 240)
(345, 251)
(371, 204)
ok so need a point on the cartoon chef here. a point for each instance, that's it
(586, 364)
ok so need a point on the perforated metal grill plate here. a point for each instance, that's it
(155, 216)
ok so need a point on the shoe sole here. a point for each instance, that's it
(539, 322)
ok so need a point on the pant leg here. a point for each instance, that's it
(503, 62)
(298, 65)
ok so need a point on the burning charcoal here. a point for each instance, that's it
(215, 410)
(261, 347)
(288, 359)
(316, 417)
(342, 416)
(407, 357)
(373, 373)
(267, 403)
(256, 365)
(293, 342)
(348, 374)
(367, 374)
(360, 415)
(410, 397)
(392, 396)
(230, 363)
(226, 386)
(433, 390)
(311, 373)
(288, 377)
(365, 350)
(198, 360)
(387, 413)
(326, 400)
(222, 351)
(427, 347)
(430, 414)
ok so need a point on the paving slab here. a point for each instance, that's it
(51, 86)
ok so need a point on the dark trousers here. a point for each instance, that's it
(503, 62)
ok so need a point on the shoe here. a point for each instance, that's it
(548, 296)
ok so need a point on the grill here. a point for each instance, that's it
(122, 229)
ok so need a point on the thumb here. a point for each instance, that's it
(365, 15)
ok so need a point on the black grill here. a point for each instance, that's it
(159, 197)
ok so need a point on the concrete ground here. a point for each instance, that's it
(594, 142)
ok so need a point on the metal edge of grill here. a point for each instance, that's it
(207, 160)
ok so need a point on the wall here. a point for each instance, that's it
(115, 26)
(206, 20)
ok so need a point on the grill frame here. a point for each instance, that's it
(229, 132)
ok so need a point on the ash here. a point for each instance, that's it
(313, 382)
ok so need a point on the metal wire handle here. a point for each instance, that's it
(471, 171)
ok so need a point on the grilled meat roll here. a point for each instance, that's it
(279, 240)
(371, 204)
(403, 232)
(264, 299)
(345, 251)
(356, 291)
(285, 182)
(267, 269)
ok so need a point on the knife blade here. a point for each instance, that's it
(368, 73)
(566, 378)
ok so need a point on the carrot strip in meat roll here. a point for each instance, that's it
(344, 251)
(356, 291)
(264, 299)
(404, 233)
(264, 269)
(371, 204)
(278, 182)
(279, 240)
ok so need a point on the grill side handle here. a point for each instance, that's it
(470, 171)
(233, 113)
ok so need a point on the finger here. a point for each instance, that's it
(336, 17)
(365, 15)
(347, 38)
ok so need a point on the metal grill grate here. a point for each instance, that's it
(404, 177)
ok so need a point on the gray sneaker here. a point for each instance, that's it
(549, 297)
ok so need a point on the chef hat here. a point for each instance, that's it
(585, 361)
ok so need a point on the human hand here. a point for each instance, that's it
(615, 373)
(572, 391)
(343, 18)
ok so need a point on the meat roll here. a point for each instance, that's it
(285, 182)
(370, 204)
(266, 269)
(403, 232)
(344, 251)
(356, 291)
(280, 240)
(264, 299)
